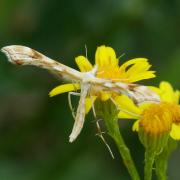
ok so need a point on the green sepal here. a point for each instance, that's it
(152, 142)
(161, 161)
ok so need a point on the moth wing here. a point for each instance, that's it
(22, 55)
(142, 94)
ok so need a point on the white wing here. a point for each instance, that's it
(21, 55)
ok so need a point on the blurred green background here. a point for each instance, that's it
(34, 128)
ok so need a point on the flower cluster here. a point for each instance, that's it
(152, 115)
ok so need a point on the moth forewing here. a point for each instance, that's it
(139, 94)
(22, 55)
(142, 94)
(80, 114)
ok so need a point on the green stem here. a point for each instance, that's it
(161, 168)
(149, 161)
(109, 113)
(124, 151)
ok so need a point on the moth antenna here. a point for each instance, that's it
(86, 51)
(123, 54)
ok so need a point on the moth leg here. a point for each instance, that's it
(70, 102)
(100, 133)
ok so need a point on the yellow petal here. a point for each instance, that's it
(175, 132)
(83, 64)
(139, 65)
(141, 76)
(144, 106)
(130, 115)
(64, 88)
(127, 105)
(105, 56)
(131, 62)
(105, 96)
(137, 69)
(176, 97)
(89, 102)
(136, 126)
(167, 92)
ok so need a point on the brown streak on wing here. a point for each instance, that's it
(36, 55)
(19, 62)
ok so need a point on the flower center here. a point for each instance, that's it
(111, 72)
(158, 118)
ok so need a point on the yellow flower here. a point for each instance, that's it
(108, 68)
(166, 113)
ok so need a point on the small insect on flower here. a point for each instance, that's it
(105, 80)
